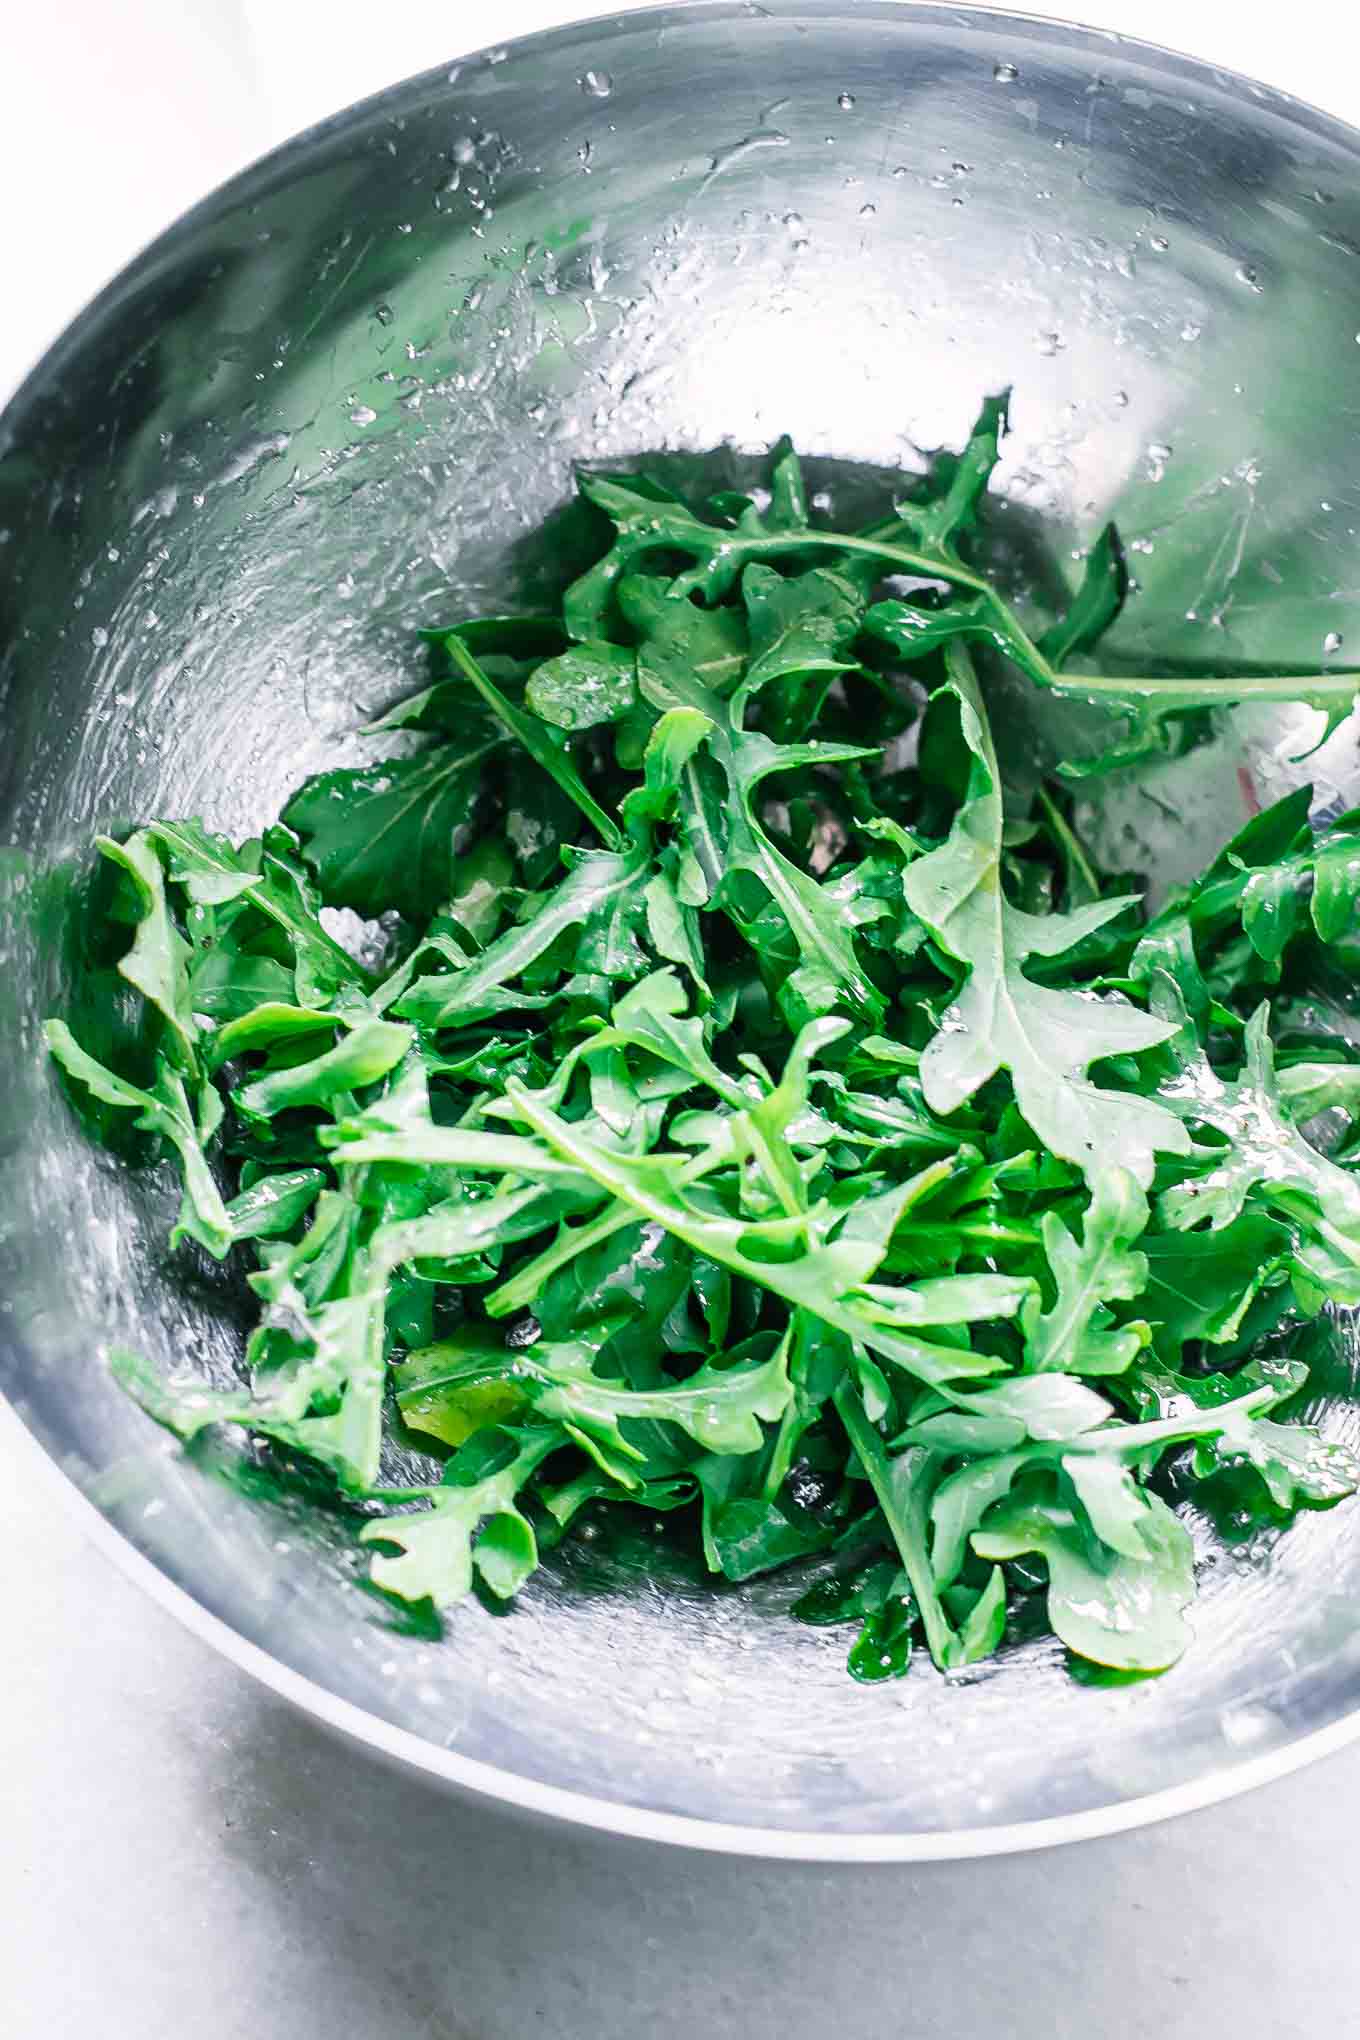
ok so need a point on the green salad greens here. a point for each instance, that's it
(755, 1116)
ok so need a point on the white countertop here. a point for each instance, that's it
(180, 1854)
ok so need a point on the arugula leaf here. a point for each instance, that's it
(1076, 1335)
(459, 1386)
(588, 894)
(439, 1549)
(533, 735)
(1265, 1153)
(360, 1058)
(1047, 1038)
(165, 1110)
(206, 867)
(322, 968)
(586, 685)
(1297, 1466)
(274, 1204)
(750, 1536)
(801, 631)
(902, 1486)
(1117, 1608)
(1311, 1087)
(1096, 605)
(389, 835)
(156, 964)
(719, 1408)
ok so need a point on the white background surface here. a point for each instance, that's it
(179, 1856)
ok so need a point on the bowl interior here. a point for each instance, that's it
(342, 400)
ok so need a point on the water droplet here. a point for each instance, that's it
(99, 637)
(1005, 74)
(797, 227)
(1242, 1726)
(362, 414)
(1190, 331)
(845, 101)
(901, 171)
(584, 154)
(384, 314)
(1157, 457)
(1159, 242)
(597, 84)
(1121, 398)
(1050, 343)
(1333, 641)
(961, 169)
(1245, 274)
(868, 210)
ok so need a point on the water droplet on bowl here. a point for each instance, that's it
(1159, 242)
(1333, 641)
(384, 314)
(362, 414)
(1005, 74)
(845, 101)
(597, 84)
(1244, 273)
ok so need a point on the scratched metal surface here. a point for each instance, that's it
(337, 403)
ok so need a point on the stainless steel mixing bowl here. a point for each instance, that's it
(334, 404)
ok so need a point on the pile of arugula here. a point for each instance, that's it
(755, 1122)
